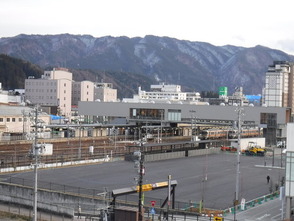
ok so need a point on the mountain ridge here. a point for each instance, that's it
(197, 66)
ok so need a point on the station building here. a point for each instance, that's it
(179, 116)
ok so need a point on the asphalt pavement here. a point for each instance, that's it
(211, 178)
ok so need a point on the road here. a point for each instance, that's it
(271, 210)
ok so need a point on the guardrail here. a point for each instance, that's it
(252, 203)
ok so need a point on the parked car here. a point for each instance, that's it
(228, 148)
(281, 144)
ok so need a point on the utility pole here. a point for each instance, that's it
(240, 109)
(35, 152)
(140, 188)
(168, 196)
(161, 119)
(80, 141)
(140, 165)
(23, 123)
(192, 123)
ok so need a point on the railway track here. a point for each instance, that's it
(16, 153)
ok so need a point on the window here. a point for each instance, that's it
(154, 114)
(13, 119)
(1, 119)
(20, 119)
(268, 118)
(289, 173)
(174, 115)
(7, 119)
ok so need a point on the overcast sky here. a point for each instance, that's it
(237, 22)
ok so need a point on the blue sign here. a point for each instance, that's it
(152, 211)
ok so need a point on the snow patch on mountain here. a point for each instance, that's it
(149, 59)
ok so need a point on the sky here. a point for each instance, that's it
(220, 22)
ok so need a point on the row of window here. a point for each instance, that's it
(155, 114)
(41, 97)
(12, 119)
(38, 83)
(79, 86)
(41, 90)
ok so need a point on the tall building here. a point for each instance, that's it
(52, 91)
(56, 92)
(278, 91)
(105, 92)
(82, 91)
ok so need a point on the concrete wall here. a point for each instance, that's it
(203, 152)
(53, 201)
(180, 154)
(54, 165)
(164, 156)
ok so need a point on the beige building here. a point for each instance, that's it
(52, 91)
(57, 93)
(82, 91)
(19, 120)
(105, 92)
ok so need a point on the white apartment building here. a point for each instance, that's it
(277, 85)
(164, 93)
(53, 90)
(105, 92)
(82, 91)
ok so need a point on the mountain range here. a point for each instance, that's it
(197, 66)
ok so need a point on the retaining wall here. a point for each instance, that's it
(53, 201)
(200, 152)
(164, 156)
(179, 154)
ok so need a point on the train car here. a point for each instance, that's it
(212, 134)
(246, 132)
(229, 133)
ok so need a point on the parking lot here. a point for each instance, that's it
(211, 178)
